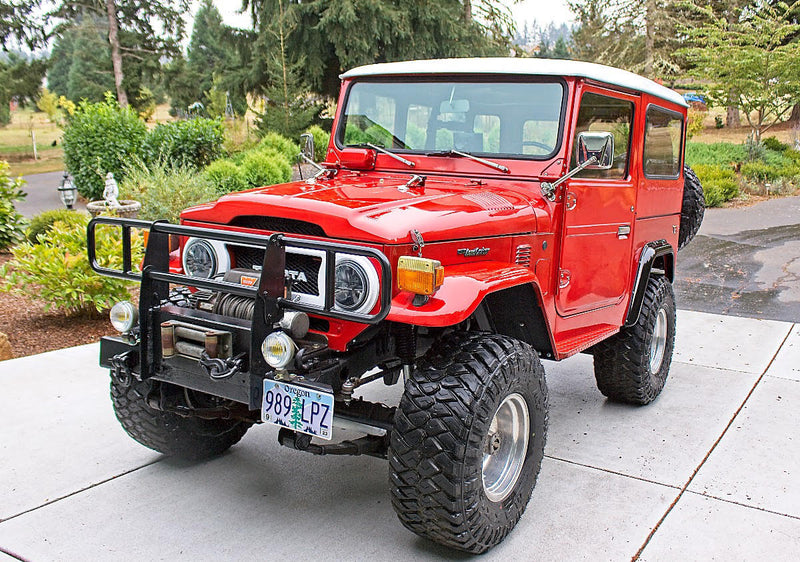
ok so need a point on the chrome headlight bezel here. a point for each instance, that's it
(216, 251)
(366, 273)
(282, 341)
(123, 316)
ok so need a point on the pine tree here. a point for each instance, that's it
(90, 74)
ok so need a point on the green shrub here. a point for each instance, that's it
(772, 143)
(164, 191)
(43, 222)
(760, 171)
(265, 167)
(719, 183)
(56, 271)
(194, 143)
(321, 141)
(716, 154)
(12, 224)
(225, 176)
(793, 155)
(281, 144)
(100, 138)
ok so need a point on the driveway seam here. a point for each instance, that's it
(13, 554)
(76, 492)
(713, 497)
(711, 450)
(632, 477)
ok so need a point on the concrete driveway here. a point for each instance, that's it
(42, 191)
(709, 471)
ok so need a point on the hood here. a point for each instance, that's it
(373, 207)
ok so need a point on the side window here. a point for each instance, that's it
(371, 120)
(610, 115)
(662, 143)
(488, 126)
(417, 126)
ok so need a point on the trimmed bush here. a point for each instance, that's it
(226, 177)
(12, 224)
(265, 167)
(56, 271)
(42, 223)
(100, 138)
(281, 144)
(719, 184)
(192, 143)
(760, 171)
(772, 143)
(717, 154)
(164, 191)
(321, 141)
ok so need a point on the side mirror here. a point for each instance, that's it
(597, 144)
(307, 143)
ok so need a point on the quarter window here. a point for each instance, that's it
(610, 115)
(662, 143)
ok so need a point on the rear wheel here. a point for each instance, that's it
(633, 365)
(468, 440)
(189, 438)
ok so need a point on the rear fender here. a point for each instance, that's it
(657, 255)
(465, 287)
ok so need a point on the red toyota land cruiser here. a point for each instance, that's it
(472, 217)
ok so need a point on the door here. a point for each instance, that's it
(599, 213)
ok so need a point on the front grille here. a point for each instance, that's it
(278, 224)
(303, 269)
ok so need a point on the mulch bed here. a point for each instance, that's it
(31, 330)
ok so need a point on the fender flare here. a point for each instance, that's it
(650, 252)
(465, 287)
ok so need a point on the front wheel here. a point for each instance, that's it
(468, 440)
(633, 365)
(189, 438)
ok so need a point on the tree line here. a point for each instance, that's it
(742, 53)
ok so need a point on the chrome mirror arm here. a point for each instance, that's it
(549, 188)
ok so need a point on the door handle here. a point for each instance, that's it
(623, 231)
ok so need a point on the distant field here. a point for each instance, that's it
(16, 145)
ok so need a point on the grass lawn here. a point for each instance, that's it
(16, 147)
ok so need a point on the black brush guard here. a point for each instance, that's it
(268, 292)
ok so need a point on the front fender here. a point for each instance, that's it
(464, 287)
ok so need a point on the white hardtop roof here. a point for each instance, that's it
(520, 66)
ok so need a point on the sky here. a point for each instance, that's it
(542, 11)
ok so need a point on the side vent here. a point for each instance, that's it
(523, 255)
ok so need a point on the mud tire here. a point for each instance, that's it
(184, 437)
(692, 209)
(622, 363)
(441, 432)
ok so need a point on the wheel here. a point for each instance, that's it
(693, 207)
(633, 365)
(185, 437)
(468, 440)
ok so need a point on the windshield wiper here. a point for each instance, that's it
(405, 161)
(483, 161)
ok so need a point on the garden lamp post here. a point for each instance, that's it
(67, 191)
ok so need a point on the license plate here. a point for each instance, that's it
(298, 408)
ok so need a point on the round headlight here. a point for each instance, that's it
(278, 350)
(352, 287)
(123, 316)
(199, 259)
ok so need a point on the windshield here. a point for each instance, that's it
(510, 119)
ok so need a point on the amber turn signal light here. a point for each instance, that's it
(419, 275)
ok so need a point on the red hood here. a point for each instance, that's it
(372, 208)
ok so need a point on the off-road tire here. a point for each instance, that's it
(440, 435)
(693, 207)
(622, 363)
(184, 437)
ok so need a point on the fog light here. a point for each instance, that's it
(123, 316)
(419, 275)
(278, 350)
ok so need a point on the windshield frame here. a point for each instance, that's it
(338, 137)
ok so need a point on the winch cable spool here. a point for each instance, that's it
(234, 306)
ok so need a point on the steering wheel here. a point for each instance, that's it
(547, 149)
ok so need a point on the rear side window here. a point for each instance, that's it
(662, 143)
(611, 115)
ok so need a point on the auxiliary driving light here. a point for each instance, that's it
(419, 275)
(123, 316)
(278, 350)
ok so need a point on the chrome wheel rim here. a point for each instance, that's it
(658, 343)
(506, 445)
